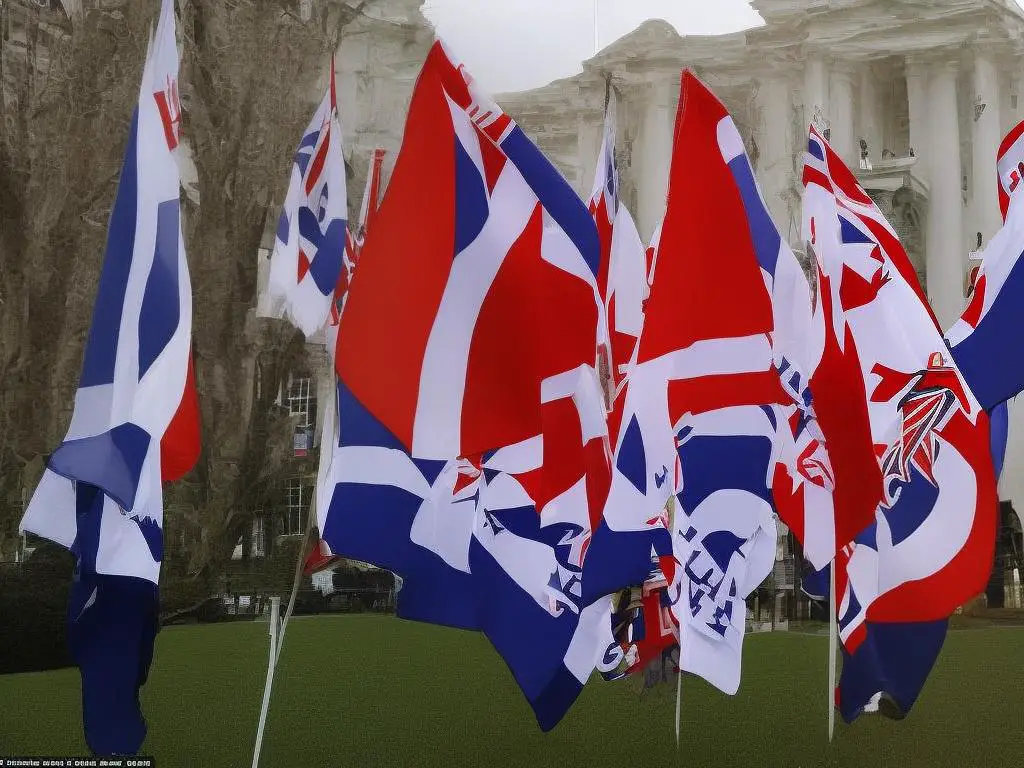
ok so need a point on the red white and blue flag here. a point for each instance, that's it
(929, 549)
(311, 234)
(371, 198)
(721, 369)
(320, 557)
(996, 307)
(135, 421)
(472, 457)
(622, 277)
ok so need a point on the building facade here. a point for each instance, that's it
(929, 86)
(915, 94)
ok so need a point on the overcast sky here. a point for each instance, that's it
(511, 46)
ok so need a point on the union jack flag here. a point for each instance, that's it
(929, 548)
(722, 362)
(311, 234)
(622, 277)
(472, 431)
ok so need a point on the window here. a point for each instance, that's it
(297, 499)
(302, 403)
(302, 400)
(259, 542)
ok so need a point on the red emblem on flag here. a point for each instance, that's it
(169, 106)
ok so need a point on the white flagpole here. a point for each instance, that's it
(679, 692)
(833, 638)
(597, 30)
(275, 611)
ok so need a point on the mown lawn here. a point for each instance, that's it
(377, 691)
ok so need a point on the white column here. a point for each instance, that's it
(815, 90)
(917, 98)
(841, 114)
(870, 124)
(589, 131)
(774, 136)
(987, 136)
(945, 251)
(653, 155)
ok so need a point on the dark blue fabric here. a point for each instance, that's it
(555, 194)
(161, 302)
(763, 233)
(373, 523)
(620, 559)
(816, 584)
(471, 207)
(105, 330)
(999, 427)
(112, 626)
(987, 358)
(894, 659)
(111, 461)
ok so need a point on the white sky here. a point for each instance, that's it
(512, 45)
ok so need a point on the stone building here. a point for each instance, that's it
(930, 86)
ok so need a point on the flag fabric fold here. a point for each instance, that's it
(320, 557)
(717, 389)
(135, 420)
(929, 548)
(471, 454)
(996, 306)
(622, 277)
(309, 247)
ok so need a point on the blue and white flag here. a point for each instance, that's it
(472, 431)
(135, 419)
(311, 234)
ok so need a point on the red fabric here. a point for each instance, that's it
(181, 445)
(686, 301)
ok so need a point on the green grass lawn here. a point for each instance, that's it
(377, 691)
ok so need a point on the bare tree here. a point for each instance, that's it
(250, 71)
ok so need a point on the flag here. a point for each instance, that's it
(979, 337)
(929, 549)
(135, 420)
(722, 367)
(652, 257)
(622, 277)
(371, 198)
(311, 233)
(320, 558)
(471, 455)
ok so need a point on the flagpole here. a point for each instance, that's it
(597, 31)
(833, 637)
(275, 612)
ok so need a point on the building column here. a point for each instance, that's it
(870, 124)
(841, 115)
(945, 252)
(654, 155)
(987, 137)
(815, 92)
(917, 97)
(589, 134)
(774, 135)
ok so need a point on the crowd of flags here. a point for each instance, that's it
(556, 436)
